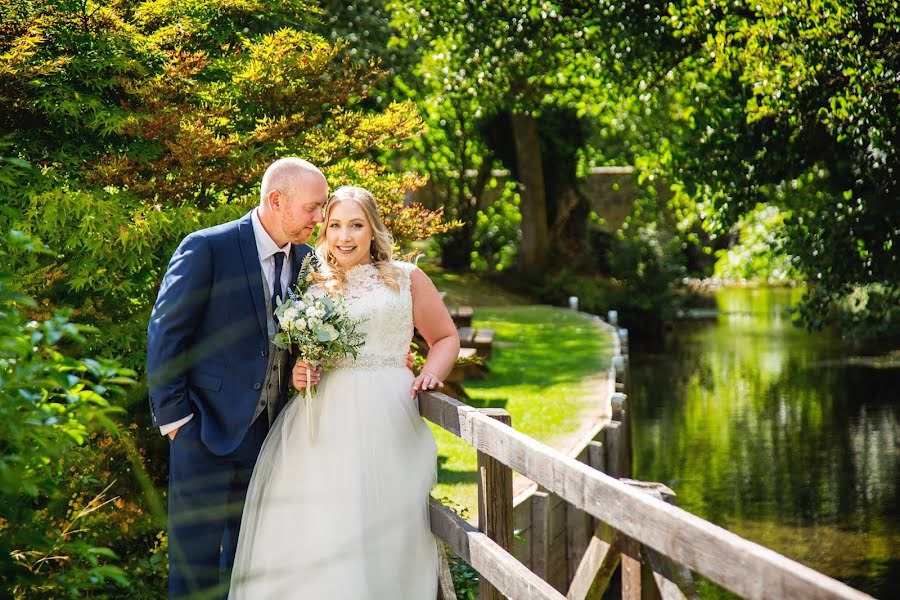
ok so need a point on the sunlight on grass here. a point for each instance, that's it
(542, 359)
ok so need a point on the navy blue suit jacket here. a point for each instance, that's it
(207, 341)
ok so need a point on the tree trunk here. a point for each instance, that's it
(535, 233)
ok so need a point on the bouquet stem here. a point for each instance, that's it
(310, 396)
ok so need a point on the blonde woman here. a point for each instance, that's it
(344, 515)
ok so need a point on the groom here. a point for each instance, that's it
(216, 381)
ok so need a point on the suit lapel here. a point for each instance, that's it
(253, 270)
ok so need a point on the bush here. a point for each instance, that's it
(51, 404)
(497, 234)
(642, 282)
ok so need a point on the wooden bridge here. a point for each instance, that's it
(584, 518)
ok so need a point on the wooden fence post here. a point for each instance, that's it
(540, 533)
(495, 501)
(612, 444)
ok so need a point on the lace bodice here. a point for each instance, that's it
(386, 315)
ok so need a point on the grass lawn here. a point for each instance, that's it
(542, 360)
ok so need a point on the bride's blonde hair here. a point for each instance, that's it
(381, 249)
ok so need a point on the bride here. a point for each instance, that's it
(342, 513)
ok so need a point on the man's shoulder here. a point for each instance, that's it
(221, 232)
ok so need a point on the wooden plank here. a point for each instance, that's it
(557, 518)
(466, 353)
(557, 566)
(522, 532)
(739, 565)
(649, 588)
(494, 563)
(595, 455)
(484, 336)
(670, 580)
(612, 441)
(597, 460)
(466, 337)
(578, 526)
(617, 401)
(618, 363)
(446, 590)
(459, 371)
(597, 566)
(631, 570)
(483, 343)
(540, 532)
(673, 581)
(495, 516)
(557, 569)
(462, 316)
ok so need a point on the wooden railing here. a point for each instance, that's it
(633, 525)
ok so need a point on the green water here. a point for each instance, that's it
(787, 438)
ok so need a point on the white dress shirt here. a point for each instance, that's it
(265, 249)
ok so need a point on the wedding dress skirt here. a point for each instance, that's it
(342, 513)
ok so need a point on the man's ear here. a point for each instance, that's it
(275, 200)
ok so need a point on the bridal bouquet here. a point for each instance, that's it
(318, 327)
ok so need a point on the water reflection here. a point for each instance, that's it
(786, 438)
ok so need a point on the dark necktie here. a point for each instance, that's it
(277, 292)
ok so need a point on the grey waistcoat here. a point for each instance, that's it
(278, 372)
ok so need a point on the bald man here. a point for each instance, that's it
(216, 381)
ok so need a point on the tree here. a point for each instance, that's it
(147, 120)
(488, 73)
(797, 105)
(124, 126)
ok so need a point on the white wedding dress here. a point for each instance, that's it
(343, 514)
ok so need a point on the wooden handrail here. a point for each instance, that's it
(735, 563)
(509, 576)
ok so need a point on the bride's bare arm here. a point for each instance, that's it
(433, 321)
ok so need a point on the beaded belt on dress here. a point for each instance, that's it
(372, 361)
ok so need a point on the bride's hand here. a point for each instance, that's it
(425, 381)
(298, 375)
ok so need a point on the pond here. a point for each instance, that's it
(787, 438)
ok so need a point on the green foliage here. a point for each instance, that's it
(793, 104)
(642, 269)
(476, 65)
(465, 579)
(123, 127)
(143, 121)
(757, 254)
(496, 237)
(51, 404)
(720, 106)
